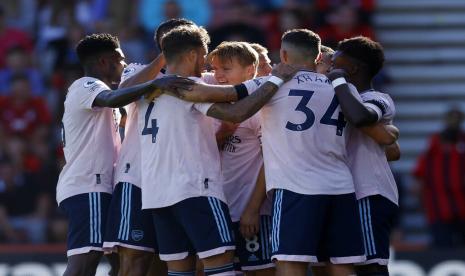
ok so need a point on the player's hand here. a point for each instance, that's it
(173, 83)
(153, 95)
(336, 73)
(250, 223)
(284, 71)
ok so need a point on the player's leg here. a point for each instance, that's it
(157, 267)
(173, 243)
(83, 264)
(378, 215)
(130, 230)
(321, 270)
(255, 253)
(113, 260)
(297, 228)
(343, 242)
(207, 222)
(87, 214)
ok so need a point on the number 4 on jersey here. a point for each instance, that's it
(153, 129)
(327, 119)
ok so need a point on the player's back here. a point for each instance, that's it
(90, 140)
(180, 157)
(304, 138)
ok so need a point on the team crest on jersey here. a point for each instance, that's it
(137, 235)
(88, 84)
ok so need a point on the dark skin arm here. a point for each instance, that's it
(354, 110)
(392, 152)
(125, 96)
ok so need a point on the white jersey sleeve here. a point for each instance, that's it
(208, 78)
(90, 89)
(131, 70)
(381, 103)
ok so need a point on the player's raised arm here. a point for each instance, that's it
(381, 133)
(246, 107)
(354, 110)
(147, 73)
(124, 96)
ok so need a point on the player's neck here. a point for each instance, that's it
(179, 69)
(89, 72)
(362, 85)
(304, 66)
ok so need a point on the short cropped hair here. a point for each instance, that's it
(364, 50)
(259, 48)
(327, 50)
(183, 39)
(168, 25)
(94, 45)
(307, 42)
(228, 50)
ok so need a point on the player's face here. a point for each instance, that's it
(264, 66)
(341, 61)
(115, 65)
(230, 71)
(200, 61)
(324, 64)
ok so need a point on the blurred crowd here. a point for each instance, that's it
(38, 63)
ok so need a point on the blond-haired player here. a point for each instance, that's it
(242, 164)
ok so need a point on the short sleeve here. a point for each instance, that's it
(381, 103)
(131, 70)
(203, 107)
(91, 89)
(253, 84)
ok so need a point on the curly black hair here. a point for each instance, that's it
(364, 50)
(168, 25)
(94, 45)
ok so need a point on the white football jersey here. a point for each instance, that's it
(367, 159)
(304, 137)
(90, 139)
(180, 157)
(128, 167)
(241, 160)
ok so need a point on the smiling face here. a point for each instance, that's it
(230, 71)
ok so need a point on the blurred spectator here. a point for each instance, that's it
(152, 13)
(11, 37)
(133, 44)
(18, 62)
(21, 113)
(23, 206)
(441, 172)
(343, 22)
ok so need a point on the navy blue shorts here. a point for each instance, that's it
(316, 228)
(128, 225)
(377, 215)
(199, 225)
(87, 214)
(254, 253)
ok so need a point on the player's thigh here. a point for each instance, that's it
(83, 264)
(186, 264)
(285, 268)
(261, 272)
(343, 243)
(134, 262)
(207, 223)
(297, 226)
(254, 254)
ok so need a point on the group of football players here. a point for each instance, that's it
(241, 168)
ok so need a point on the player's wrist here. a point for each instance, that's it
(276, 80)
(338, 82)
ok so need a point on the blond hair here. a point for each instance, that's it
(228, 50)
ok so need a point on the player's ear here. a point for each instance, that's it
(192, 55)
(319, 57)
(251, 71)
(283, 55)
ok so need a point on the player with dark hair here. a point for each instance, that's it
(359, 59)
(182, 182)
(85, 184)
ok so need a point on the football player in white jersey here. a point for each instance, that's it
(182, 182)
(304, 138)
(130, 230)
(90, 144)
(361, 59)
(242, 162)
(324, 64)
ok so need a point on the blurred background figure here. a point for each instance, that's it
(441, 174)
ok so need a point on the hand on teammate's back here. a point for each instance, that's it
(250, 223)
(284, 71)
(336, 73)
(170, 83)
